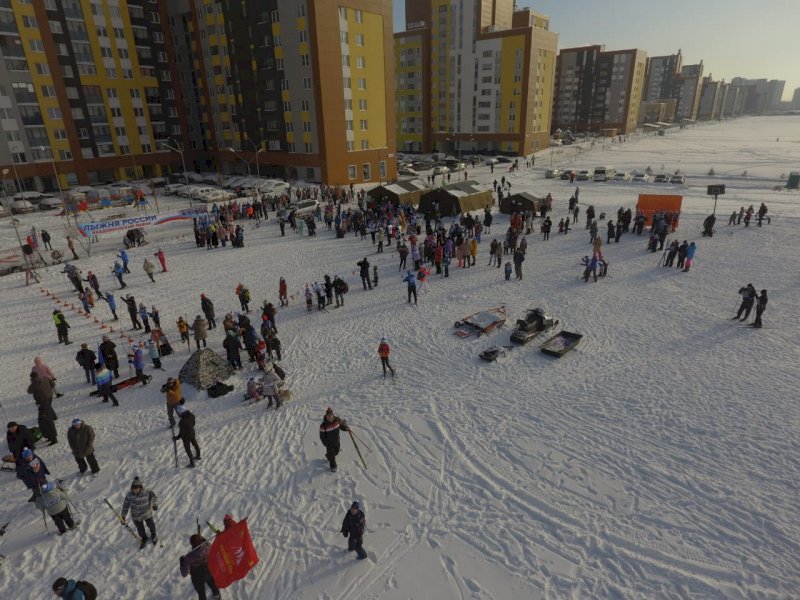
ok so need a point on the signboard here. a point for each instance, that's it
(716, 190)
(138, 222)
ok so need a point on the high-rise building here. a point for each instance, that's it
(598, 90)
(686, 90)
(474, 75)
(711, 96)
(294, 88)
(796, 99)
(660, 76)
(86, 89)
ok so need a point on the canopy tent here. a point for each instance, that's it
(204, 368)
(520, 202)
(402, 192)
(461, 197)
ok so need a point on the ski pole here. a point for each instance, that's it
(174, 444)
(360, 440)
(358, 450)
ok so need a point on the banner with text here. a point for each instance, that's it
(138, 222)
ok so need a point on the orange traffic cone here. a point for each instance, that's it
(103, 325)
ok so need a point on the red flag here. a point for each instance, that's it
(232, 555)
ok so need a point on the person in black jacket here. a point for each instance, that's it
(208, 310)
(353, 526)
(110, 358)
(62, 327)
(186, 433)
(329, 436)
(328, 290)
(133, 311)
(761, 306)
(233, 347)
(18, 437)
(363, 271)
(748, 294)
(86, 358)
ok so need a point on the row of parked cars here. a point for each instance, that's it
(442, 166)
(611, 174)
(232, 187)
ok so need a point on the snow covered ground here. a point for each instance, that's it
(657, 460)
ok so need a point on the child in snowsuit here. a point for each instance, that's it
(354, 525)
(309, 299)
(507, 270)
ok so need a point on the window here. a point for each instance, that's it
(351, 171)
(64, 155)
(42, 68)
(343, 37)
(302, 35)
(105, 52)
(309, 148)
(343, 15)
(382, 169)
(111, 73)
(274, 16)
(304, 105)
(359, 39)
(360, 62)
(36, 46)
(54, 113)
(345, 60)
(351, 145)
(307, 126)
(348, 125)
(111, 92)
(305, 60)
(60, 134)
(362, 104)
(30, 22)
(306, 83)
(48, 91)
(359, 16)
(364, 125)
(367, 169)
(365, 144)
(135, 93)
(55, 27)
(362, 84)
(301, 10)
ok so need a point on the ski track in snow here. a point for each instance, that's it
(657, 460)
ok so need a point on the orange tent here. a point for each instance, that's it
(649, 204)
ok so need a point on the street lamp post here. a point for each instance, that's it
(247, 164)
(58, 184)
(183, 163)
(259, 149)
(13, 220)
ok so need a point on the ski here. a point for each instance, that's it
(124, 523)
(358, 450)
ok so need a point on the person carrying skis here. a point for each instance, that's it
(195, 564)
(353, 527)
(748, 294)
(81, 441)
(384, 350)
(329, 436)
(54, 500)
(186, 434)
(207, 306)
(141, 503)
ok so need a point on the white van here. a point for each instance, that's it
(604, 173)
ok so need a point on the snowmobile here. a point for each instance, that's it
(533, 325)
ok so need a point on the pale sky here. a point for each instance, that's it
(734, 38)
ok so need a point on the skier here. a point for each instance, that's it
(672, 251)
(329, 435)
(86, 359)
(591, 267)
(749, 295)
(363, 271)
(81, 441)
(91, 279)
(33, 472)
(54, 500)
(195, 564)
(103, 379)
(199, 329)
(149, 268)
(186, 433)
(690, 252)
(353, 526)
(682, 249)
(142, 503)
(42, 391)
(761, 306)
(162, 259)
(207, 306)
(384, 350)
(132, 311)
(123, 256)
(61, 327)
(411, 281)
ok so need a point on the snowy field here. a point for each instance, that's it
(657, 460)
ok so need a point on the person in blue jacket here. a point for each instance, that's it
(123, 256)
(690, 252)
(112, 304)
(119, 272)
(411, 280)
(68, 588)
(136, 358)
(145, 317)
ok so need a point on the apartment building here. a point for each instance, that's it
(660, 76)
(291, 88)
(474, 75)
(711, 99)
(86, 91)
(598, 90)
(668, 78)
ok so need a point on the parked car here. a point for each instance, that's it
(211, 195)
(275, 188)
(640, 177)
(552, 173)
(440, 170)
(408, 171)
(197, 192)
(661, 178)
(50, 203)
(565, 175)
(172, 188)
(503, 159)
(622, 176)
(455, 165)
(186, 191)
(679, 179)
(301, 209)
(22, 206)
(32, 197)
(584, 175)
(490, 161)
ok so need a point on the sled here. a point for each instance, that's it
(561, 343)
(535, 323)
(481, 323)
(8, 464)
(492, 353)
(125, 383)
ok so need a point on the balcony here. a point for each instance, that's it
(32, 119)
(100, 119)
(73, 13)
(25, 97)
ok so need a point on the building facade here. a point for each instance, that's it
(290, 88)
(711, 96)
(660, 76)
(598, 90)
(86, 91)
(474, 75)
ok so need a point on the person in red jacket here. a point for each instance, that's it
(162, 259)
(384, 350)
(282, 293)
